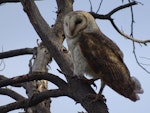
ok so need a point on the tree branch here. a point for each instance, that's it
(100, 4)
(12, 1)
(122, 7)
(127, 36)
(37, 98)
(35, 76)
(131, 34)
(2, 77)
(91, 8)
(108, 17)
(13, 53)
(9, 1)
(134, 53)
(11, 93)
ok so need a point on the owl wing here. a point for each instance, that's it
(106, 60)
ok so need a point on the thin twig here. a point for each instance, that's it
(145, 58)
(122, 7)
(127, 36)
(131, 34)
(99, 6)
(137, 59)
(132, 20)
(11, 1)
(145, 64)
(91, 8)
(108, 17)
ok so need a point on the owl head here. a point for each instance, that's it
(77, 22)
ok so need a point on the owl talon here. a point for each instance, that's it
(91, 82)
(88, 81)
(97, 97)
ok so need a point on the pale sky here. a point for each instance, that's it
(17, 32)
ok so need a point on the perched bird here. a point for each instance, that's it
(96, 55)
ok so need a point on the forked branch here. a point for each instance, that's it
(108, 17)
(34, 76)
(37, 98)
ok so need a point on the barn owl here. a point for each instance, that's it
(96, 55)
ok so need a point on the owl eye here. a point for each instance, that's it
(78, 21)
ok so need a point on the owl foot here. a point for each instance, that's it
(97, 97)
(88, 81)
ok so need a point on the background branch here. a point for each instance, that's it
(11, 93)
(12, 1)
(34, 76)
(100, 4)
(13, 53)
(127, 36)
(131, 34)
(91, 8)
(37, 98)
(108, 17)
(122, 7)
(2, 77)
(9, 1)
(134, 52)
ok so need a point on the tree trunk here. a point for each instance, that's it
(42, 58)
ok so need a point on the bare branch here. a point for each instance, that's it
(11, 1)
(127, 36)
(34, 76)
(2, 77)
(91, 8)
(117, 29)
(145, 58)
(122, 7)
(11, 93)
(13, 53)
(108, 17)
(99, 6)
(145, 64)
(138, 60)
(131, 34)
(37, 98)
(132, 20)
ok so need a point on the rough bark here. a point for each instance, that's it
(13, 53)
(40, 65)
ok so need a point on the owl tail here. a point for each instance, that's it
(137, 90)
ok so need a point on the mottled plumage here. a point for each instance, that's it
(95, 54)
